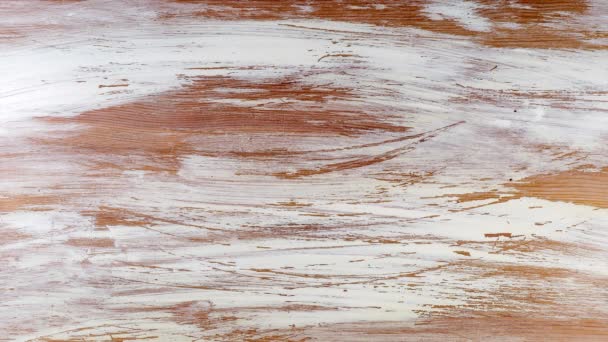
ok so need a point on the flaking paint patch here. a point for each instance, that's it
(581, 187)
(538, 24)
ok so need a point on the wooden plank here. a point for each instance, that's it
(304, 170)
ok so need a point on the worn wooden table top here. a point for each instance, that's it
(304, 170)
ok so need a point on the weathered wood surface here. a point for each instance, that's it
(295, 170)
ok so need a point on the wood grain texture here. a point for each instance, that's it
(424, 170)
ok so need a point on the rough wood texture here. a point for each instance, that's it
(264, 170)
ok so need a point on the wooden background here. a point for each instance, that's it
(304, 170)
